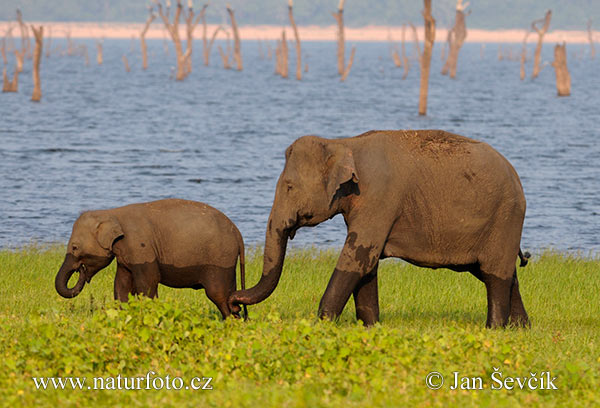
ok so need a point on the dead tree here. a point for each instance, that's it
(343, 70)
(49, 42)
(37, 56)
(10, 86)
(417, 49)
(126, 63)
(563, 78)
(297, 37)
(3, 51)
(191, 23)
(226, 56)
(541, 32)
(237, 48)
(524, 55)
(591, 38)
(25, 43)
(283, 55)
(341, 51)
(426, 57)
(173, 30)
(99, 52)
(149, 21)
(349, 66)
(19, 55)
(405, 61)
(456, 38)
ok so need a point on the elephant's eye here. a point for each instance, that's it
(74, 248)
(289, 187)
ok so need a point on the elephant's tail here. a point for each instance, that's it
(242, 268)
(524, 257)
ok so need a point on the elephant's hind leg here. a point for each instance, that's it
(366, 298)
(219, 283)
(498, 295)
(518, 316)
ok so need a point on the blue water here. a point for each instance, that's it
(102, 137)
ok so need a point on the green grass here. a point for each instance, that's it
(284, 356)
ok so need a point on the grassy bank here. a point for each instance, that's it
(284, 356)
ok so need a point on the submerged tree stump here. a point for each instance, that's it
(426, 57)
(237, 48)
(591, 39)
(37, 56)
(563, 78)
(173, 30)
(149, 21)
(538, 49)
(456, 38)
(297, 37)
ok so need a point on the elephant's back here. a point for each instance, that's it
(194, 231)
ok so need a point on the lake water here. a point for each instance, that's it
(102, 137)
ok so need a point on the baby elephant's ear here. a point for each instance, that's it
(107, 232)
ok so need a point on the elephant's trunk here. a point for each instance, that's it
(64, 274)
(274, 255)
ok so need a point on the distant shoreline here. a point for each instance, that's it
(307, 33)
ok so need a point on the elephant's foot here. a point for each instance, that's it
(339, 289)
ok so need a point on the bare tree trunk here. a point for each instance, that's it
(591, 38)
(426, 57)
(277, 57)
(210, 44)
(456, 37)
(283, 52)
(3, 51)
(350, 62)
(173, 29)
(19, 55)
(49, 42)
(25, 43)
(86, 56)
(269, 51)
(538, 49)
(339, 18)
(126, 63)
(405, 61)
(563, 78)
(8, 86)
(190, 27)
(149, 21)
(237, 49)
(5, 82)
(99, 53)
(225, 58)
(524, 55)
(416, 39)
(37, 56)
(298, 49)
(205, 46)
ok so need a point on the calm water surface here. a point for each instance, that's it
(102, 137)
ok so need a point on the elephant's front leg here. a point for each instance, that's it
(123, 283)
(146, 278)
(359, 256)
(366, 298)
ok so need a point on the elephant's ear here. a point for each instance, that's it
(107, 232)
(341, 169)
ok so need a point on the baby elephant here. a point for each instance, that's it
(179, 243)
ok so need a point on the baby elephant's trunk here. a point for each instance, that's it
(64, 274)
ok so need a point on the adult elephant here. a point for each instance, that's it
(432, 198)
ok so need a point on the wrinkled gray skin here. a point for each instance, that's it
(178, 243)
(429, 197)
